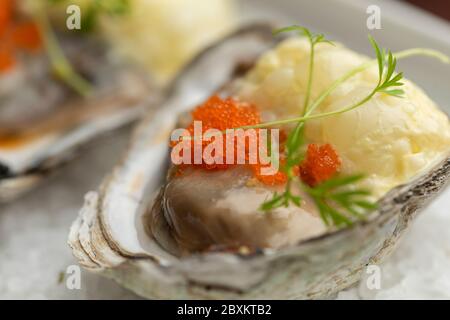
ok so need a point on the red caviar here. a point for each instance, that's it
(7, 60)
(222, 114)
(26, 36)
(278, 178)
(5, 15)
(321, 163)
(15, 34)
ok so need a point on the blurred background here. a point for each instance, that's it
(440, 7)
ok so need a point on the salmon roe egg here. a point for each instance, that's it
(320, 164)
(5, 15)
(16, 34)
(26, 36)
(225, 114)
(222, 114)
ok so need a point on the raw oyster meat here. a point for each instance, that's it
(126, 232)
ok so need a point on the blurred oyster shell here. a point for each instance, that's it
(43, 122)
(108, 237)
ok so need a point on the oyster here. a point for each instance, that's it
(42, 121)
(199, 211)
(110, 236)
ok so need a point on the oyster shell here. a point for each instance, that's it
(42, 121)
(109, 236)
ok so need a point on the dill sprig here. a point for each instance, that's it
(281, 200)
(387, 81)
(337, 203)
(60, 64)
(95, 8)
(99, 7)
(313, 39)
(295, 139)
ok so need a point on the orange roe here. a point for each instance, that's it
(15, 34)
(225, 114)
(321, 163)
(5, 15)
(279, 178)
(7, 60)
(26, 36)
(222, 114)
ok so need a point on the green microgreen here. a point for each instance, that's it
(100, 7)
(313, 39)
(295, 139)
(387, 63)
(60, 64)
(337, 203)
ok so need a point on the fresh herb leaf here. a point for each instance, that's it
(99, 7)
(95, 8)
(387, 64)
(89, 18)
(59, 62)
(380, 56)
(114, 7)
(295, 140)
(281, 200)
(323, 194)
(313, 39)
(337, 203)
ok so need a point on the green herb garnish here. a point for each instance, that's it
(313, 39)
(295, 140)
(337, 204)
(98, 7)
(59, 62)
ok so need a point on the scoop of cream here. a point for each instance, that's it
(389, 139)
